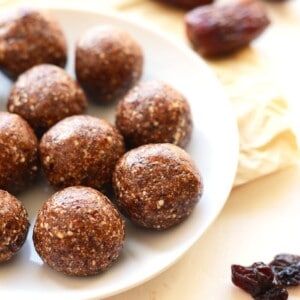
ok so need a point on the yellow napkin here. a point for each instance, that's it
(267, 141)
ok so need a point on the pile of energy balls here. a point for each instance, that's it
(45, 130)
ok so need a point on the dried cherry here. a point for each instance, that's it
(255, 279)
(268, 281)
(286, 268)
(274, 293)
(283, 260)
(289, 276)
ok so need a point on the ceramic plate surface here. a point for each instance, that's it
(214, 148)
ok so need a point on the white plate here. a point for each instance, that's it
(214, 147)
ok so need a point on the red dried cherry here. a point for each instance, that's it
(274, 293)
(286, 268)
(255, 279)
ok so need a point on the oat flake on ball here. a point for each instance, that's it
(154, 112)
(157, 185)
(14, 225)
(18, 153)
(78, 231)
(108, 62)
(29, 37)
(80, 150)
(44, 95)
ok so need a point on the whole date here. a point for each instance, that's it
(220, 29)
(187, 4)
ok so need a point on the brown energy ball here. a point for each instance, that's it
(14, 225)
(45, 94)
(108, 62)
(80, 150)
(18, 153)
(157, 185)
(30, 37)
(78, 232)
(154, 112)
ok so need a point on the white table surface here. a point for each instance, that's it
(261, 218)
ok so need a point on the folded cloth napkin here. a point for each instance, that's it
(267, 140)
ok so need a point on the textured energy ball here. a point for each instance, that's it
(30, 37)
(154, 112)
(18, 153)
(157, 185)
(80, 150)
(44, 95)
(78, 231)
(14, 225)
(108, 62)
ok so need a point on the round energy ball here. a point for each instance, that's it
(108, 62)
(29, 37)
(157, 185)
(44, 95)
(78, 231)
(80, 150)
(18, 153)
(154, 112)
(14, 225)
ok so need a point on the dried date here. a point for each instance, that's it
(220, 29)
(187, 4)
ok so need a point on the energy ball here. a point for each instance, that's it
(44, 95)
(14, 225)
(157, 186)
(81, 150)
(108, 62)
(18, 153)
(154, 112)
(30, 37)
(78, 231)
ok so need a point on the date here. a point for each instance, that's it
(214, 30)
(259, 281)
(187, 4)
